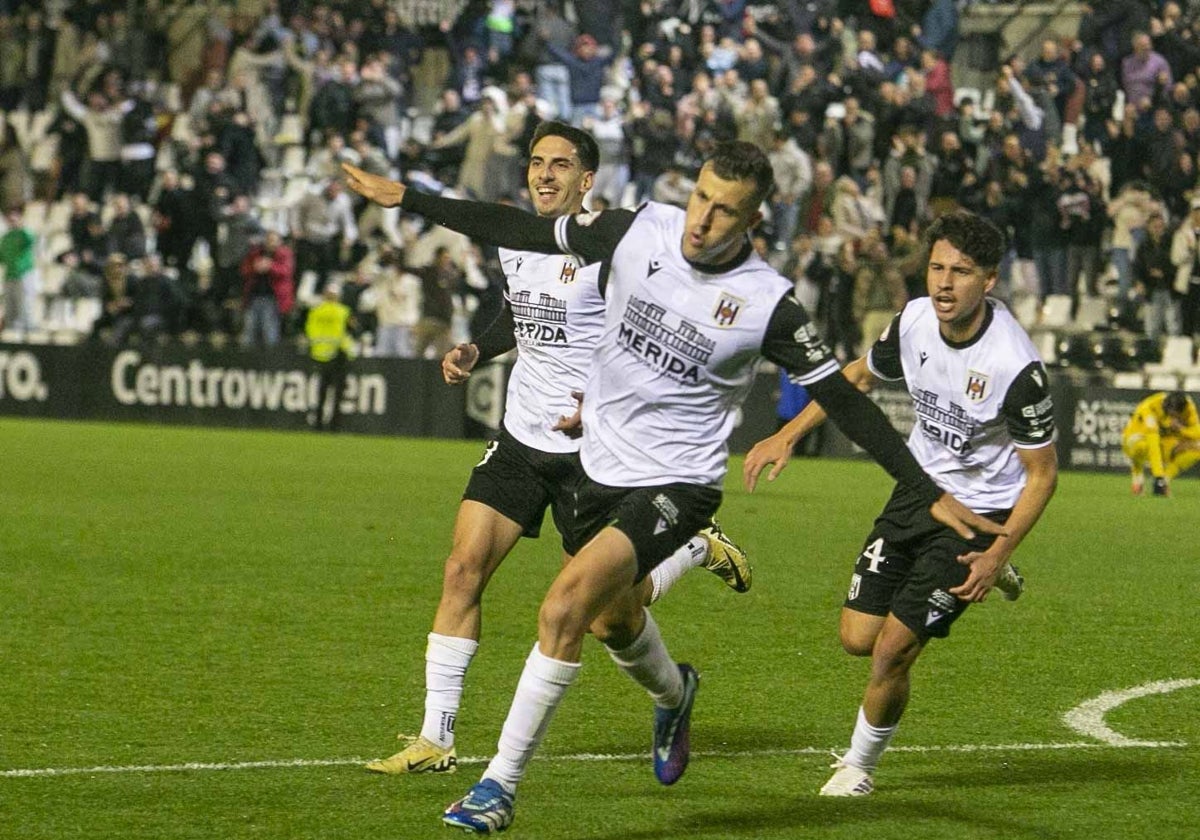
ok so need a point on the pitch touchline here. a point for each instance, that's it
(582, 757)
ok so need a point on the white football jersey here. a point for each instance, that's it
(975, 402)
(677, 357)
(558, 315)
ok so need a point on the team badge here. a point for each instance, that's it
(568, 273)
(977, 384)
(727, 310)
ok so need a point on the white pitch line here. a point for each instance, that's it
(194, 766)
(1088, 717)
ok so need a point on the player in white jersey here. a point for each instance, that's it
(554, 313)
(691, 310)
(984, 431)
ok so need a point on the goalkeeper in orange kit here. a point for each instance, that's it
(1164, 435)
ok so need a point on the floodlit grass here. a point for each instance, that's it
(174, 595)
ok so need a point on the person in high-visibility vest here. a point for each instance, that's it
(1164, 435)
(328, 330)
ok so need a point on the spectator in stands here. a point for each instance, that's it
(478, 136)
(553, 76)
(439, 282)
(879, 291)
(173, 221)
(156, 300)
(326, 163)
(1154, 278)
(237, 232)
(818, 203)
(332, 108)
(612, 174)
(653, 144)
(268, 291)
(17, 249)
(16, 179)
(322, 227)
(1185, 255)
(938, 83)
(126, 234)
(214, 188)
(377, 97)
(1142, 71)
(1129, 212)
(586, 65)
(673, 187)
(849, 141)
(102, 121)
(758, 116)
(117, 315)
(792, 168)
(139, 135)
(1100, 96)
(397, 306)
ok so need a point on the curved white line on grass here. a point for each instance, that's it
(198, 766)
(1088, 717)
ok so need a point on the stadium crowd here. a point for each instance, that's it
(171, 167)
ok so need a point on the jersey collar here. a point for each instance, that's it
(742, 255)
(989, 312)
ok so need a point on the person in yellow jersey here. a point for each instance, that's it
(328, 330)
(1164, 435)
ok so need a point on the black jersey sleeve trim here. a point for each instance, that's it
(792, 342)
(1028, 408)
(494, 224)
(499, 336)
(883, 359)
(593, 237)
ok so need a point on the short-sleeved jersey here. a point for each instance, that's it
(976, 402)
(1150, 418)
(558, 313)
(679, 348)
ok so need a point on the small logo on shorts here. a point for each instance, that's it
(855, 583)
(669, 513)
(941, 604)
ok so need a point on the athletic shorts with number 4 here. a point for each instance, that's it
(909, 564)
(520, 482)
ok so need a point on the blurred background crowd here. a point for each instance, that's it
(170, 169)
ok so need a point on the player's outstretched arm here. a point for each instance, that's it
(382, 191)
(458, 363)
(1041, 479)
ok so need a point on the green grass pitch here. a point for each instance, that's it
(174, 596)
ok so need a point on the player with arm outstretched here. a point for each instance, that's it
(690, 311)
(553, 313)
(984, 431)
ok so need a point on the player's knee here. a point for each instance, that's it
(856, 643)
(464, 577)
(560, 616)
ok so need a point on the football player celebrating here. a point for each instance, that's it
(553, 312)
(984, 432)
(690, 309)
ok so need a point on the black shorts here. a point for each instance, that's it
(909, 564)
(520, 482)
(657, 519)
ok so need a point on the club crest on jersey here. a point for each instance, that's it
(727, 310)
(977, 384)
(568, 273)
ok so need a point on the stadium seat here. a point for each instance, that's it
(1162, 382)
(1191, 384)
(1145, 351)
(291, 130)
(1092, 314)
(1056, 312)
(19, 120)
(39, 123)
(1046, 343)
(296, 187)
(1118, 111)
(35, 216)
(181, 128)
(1075, 351)
(967, 93)
(1132, 380)
(1025, 310)
(58, 217)
(1178, 357)
(1109, 352)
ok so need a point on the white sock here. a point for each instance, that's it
(541, 688)
(446, 661)
(667, 573)
(868, 743)
(651, 667)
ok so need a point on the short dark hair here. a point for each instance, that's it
(585, 145)
(971, 234)
(1175, 403)
(736, 160)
